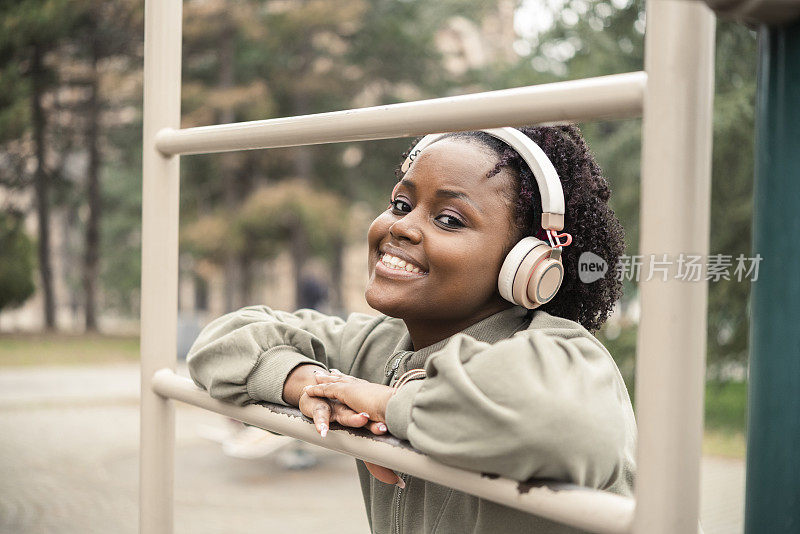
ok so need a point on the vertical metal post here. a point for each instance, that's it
(160, 175)
(674, 219)
(773, 434)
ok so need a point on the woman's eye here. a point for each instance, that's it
(400, 206)
(449, 221)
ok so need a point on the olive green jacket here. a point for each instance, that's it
(512, 396)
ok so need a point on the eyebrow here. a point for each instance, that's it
(444, 193)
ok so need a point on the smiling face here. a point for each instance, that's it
(436, 253)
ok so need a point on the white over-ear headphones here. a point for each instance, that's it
(532, 272)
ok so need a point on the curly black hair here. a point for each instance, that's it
(588, 217)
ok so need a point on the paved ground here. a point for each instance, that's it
(69, 464)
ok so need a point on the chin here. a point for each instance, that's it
(380, 305)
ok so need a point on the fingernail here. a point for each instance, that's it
(400, 483)
(323, 430)
(382, 427)
(335, 371)
(364, 414)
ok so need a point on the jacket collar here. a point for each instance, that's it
(494, 328)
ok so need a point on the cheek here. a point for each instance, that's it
(473, 266)
(378, 230)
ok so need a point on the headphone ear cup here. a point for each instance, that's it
(545, 281)
(529, 277)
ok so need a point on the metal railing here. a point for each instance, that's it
(674, 98)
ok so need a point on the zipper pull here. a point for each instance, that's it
(395, 365)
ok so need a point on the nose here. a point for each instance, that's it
(406, 228)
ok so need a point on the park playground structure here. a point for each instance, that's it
(674, 97)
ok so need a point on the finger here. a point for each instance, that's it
(385, 475)
(342, 376)
(332, 390)
(326, 379)
(321, 372)
(321, 414)
(377, 427)
(347, 416)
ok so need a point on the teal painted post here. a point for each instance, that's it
(773, 433)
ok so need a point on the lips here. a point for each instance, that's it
(396, 259)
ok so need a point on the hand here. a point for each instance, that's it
(359, 395)
(384, 474)
(321, 410)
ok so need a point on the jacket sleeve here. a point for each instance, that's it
(532, 406)
(245, 356)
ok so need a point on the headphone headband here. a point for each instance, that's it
(546, 176)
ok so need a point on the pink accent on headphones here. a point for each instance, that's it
(559, 236)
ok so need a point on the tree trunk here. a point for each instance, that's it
(303, 168)
(42, 186)
(337, 277)
(91, 255)
(299, 251)
(233, 269)
(303, 161)
(245, 279)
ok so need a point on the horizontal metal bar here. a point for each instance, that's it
(584, 508)
(606, 97)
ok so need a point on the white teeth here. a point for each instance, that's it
(401, 265)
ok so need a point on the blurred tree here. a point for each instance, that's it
(29, 30)
(215, 91)
(293, 214)
(246, 62)
(290, 214)
(598, 38)
(16, 261)
(121, 229)
(107, 31)
(732, 191)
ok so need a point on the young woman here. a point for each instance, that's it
(499, 377)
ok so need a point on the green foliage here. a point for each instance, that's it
(121, 268)
(726, 406)
(732, 189)
(25, 22)
(621, 344)
(268, 222)
(596, 38)
(16, 261)
(273, 215)
(14, 108)
(211, 237)
(725, 400)
(289, 58)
